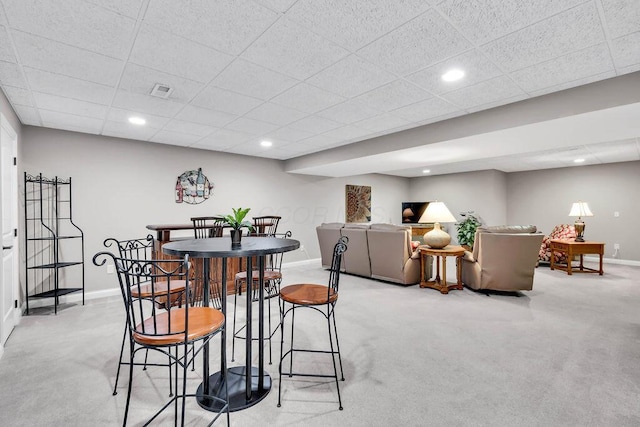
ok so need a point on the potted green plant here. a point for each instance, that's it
(467, 229)
(236, 221)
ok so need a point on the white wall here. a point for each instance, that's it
(120, 186)
(544, 198)
(483, 192)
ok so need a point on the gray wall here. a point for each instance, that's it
(484, 192)
(544, 198)
(120, 186)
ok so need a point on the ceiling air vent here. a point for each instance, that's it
(161, 91)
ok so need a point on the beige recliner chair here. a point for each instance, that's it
(392, 257)
(504, 258)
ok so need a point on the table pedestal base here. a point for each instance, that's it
(236, 380)
(441, 286)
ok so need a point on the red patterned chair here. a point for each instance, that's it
(563, 232)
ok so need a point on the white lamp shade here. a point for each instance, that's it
(580, 209)
(437, 212)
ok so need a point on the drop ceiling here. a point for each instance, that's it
(316, 76)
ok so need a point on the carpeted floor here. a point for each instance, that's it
(565, 354)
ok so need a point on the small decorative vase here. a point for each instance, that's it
(236, 237)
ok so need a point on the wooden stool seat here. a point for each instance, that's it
(160, 289)
(203, 321)
(268, 275)
(308, 294)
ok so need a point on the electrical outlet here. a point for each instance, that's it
(616, 214)
(616, 246)
(110, 269)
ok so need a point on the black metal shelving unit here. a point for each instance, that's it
(54, 244)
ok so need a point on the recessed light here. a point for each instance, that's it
(578, 161)
(426, 171)
(137, 120)
(453, 75)
(266, 143)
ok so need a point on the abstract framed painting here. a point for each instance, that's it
(358, 203)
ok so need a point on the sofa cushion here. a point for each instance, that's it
(510, 229)
(389, 227)
(332, 224)
(357, 225)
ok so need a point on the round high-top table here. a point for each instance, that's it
(245, 390)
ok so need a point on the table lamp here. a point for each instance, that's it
(437, 212)
(580, 209)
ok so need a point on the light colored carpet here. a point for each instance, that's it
(564, 354)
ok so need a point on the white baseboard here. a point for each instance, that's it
(310, 262)
(592, 258)
(72, 298)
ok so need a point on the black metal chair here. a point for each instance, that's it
(272, 280)
(143, 249)
(169, 331)
(318, 298)
(265, 225)
(207, 226)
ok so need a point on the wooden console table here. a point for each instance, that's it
(441, 285)
(572, 248)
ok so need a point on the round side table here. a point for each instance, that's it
(441, 256)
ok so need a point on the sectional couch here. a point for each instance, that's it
(378, 251)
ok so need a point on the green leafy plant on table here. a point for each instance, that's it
(237, 220)
(467, 229)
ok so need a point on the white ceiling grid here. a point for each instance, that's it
(308, 75)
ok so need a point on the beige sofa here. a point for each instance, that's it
(379, 251)
(504, 258)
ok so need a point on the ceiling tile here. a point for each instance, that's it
(176, 55)
(293, 50)
(434, 107)
(18, 96)
(6, 50)
(353, 24)
(75, 23)
(126, 130)
(559, 35)
(315, 124)
(212, 142)
(226, 101)
(190, 128)
(484, 20)
(205, 116)
(307, 98)
(393, 95)
(277, 5)
(119, 115)
(476, 66)
(10, 75)
(574, 83)
(141, 80)
(622, 16)
(587, 62)
(70, 87)
(350, 77)
(251, 126)
(129, 8)
(286, 134)
(27, 115)
(253, 80)
(490, 91)
(59, 58)
(349, 112)
(276, 114)
(71, 106)
(497, 103)
(175, 138)
(347, 133)
(626, 50)
(422, 42)
(146, 104)
(215, 24)
(57, 120)
(383, 123)
(226, 138)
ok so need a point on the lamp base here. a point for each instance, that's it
(579, 226)
(437, 238)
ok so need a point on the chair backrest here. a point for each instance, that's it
(334, 273)
(153, 277)
(207, 226)
(265, 225)
(133, 248)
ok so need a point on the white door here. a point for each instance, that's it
(9, 218)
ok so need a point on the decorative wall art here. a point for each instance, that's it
(358, 203)
(193, 187)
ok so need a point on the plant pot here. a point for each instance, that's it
(236, 238)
